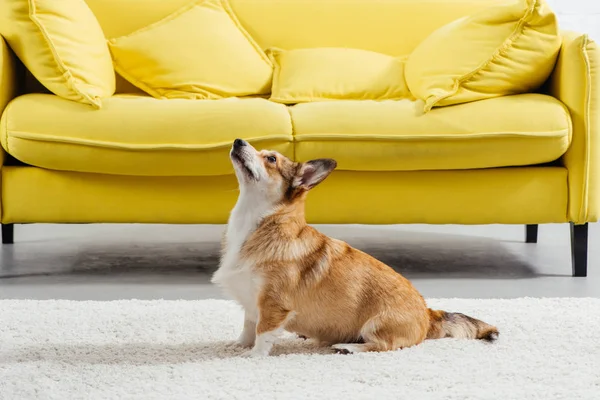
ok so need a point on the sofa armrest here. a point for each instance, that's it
(576, 82)
(8, 80)
(8, 83)
(8, 75)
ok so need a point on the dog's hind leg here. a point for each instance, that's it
(385, 334)
(350, 348)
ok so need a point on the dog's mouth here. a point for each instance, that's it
(241, 161)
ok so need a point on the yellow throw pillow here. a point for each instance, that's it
(62, 44)
(331, 73)
(199, 52)
(505, 49)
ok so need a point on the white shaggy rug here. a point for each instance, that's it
(548, 349)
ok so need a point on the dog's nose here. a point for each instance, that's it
(239, 143)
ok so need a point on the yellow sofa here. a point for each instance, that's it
(522, 159)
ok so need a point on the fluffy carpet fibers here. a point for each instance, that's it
(548, 349)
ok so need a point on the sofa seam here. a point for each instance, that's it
(144, 147)
(584, 209)
(293, 126)
(6, 135)
(303, 99)
(2, 186)
(272, 54)
(528, 135)
(22, 135)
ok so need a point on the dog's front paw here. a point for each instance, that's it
(239, 343)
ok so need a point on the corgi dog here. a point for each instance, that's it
(288, 276)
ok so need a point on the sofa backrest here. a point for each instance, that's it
(393, 27)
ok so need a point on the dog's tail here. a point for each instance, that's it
(446, 324)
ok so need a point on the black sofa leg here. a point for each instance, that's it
(579, 249)
(531, 233)
(8, 233)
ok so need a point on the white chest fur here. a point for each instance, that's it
(235, 276)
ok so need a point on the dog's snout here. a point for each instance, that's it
(239, 143)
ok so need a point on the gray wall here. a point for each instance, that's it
(578, 15)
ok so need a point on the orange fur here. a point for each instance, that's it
(320, 287)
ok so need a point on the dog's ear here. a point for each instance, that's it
(313, 172)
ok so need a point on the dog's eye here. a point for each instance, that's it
(271, 159)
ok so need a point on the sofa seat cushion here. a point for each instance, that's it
(140, 135)
(514, 130)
